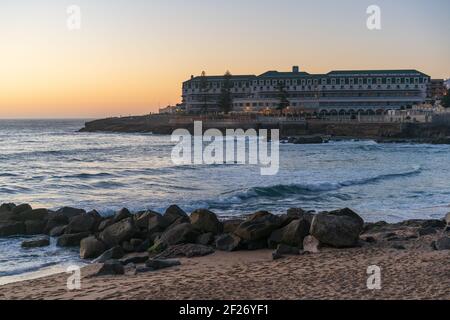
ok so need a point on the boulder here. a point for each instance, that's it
(34, 227)
(86, 222)
(157, 264)
(91, 248)
(122, 214)
(7, 207)
(57, 231)
(156, 224)
(298, 213)
(206, 221)
(36, 243)
(174, 213)
(230, 226)
(71, 240)
(258, 226)
(11, 228)
(105, 224)
(311, 245)
(34, 214)
(144, 246)
(142, 220)
(252, 245)
(283, 249)
(185, 250)
(228, 242)
(135, 258)
(111, 254)
(205, 239)
(119, 232)
(111, 268)
(55, 220)
(339, 229)
(70, 212)
(292, 235)
(442, 244)
(21, 208)
(127, 247)
(447, 219)
(426, 231)
(181, 233)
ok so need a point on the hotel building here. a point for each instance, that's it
(337, 92)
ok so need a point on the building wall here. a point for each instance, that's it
(351, 91)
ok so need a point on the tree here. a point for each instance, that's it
(204, 92)
(226, 100)
(446, 99)
(282, 97)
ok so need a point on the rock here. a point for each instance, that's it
(142, 220)
(136, 242)
(180, 234)
(122, 214)
(339, 229)
(36, 214)
(398, 247)
(185, 250)
(156, 224)
(127, 247)
(447, 219)
(34, 227)
(71, 240)
(135, 258)
(426, 231)
(228, 242)
(36, 243)
(12, 229)
(283, 249)
(258, 226)
(85, 222)
(252, 245)
(206, 221)
(442, 244)
(119, 232)
(157, 248)
(91, 248)
(57, 231)
(21, 208)
(70, 212)
(205, 239)
(55, 220)
(7, 207)
(276, 256)
(436, 224)
(111, 268)
(130, 269)
(157, 264)
(105, 224)
(144, 246)
(311, 245)
(374, 227)
(298, 213)
(174, 213)
(230, 226)
(369, 239)
(292, 234)
(111, 254)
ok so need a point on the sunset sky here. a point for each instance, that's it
(131, 56)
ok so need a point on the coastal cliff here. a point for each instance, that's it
(382, 132)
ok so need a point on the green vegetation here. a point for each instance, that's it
(226, 100)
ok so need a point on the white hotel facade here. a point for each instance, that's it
(337, 92)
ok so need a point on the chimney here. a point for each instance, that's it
(295, 69)
(192, 77)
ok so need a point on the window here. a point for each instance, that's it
(309, 82)
(303, 82)
(407, 80)
(352, 81)
(369, 81)
(333, 82)
(324, 81)
(342, 81)
(360, 81)
(416, 80)
(398, 80)
(389, 81)
(379, 81)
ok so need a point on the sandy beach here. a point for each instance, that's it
(415, 273)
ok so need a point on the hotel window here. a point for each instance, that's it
(303, 82)
(389, 81)
(369, 81)
(416, 80)
(379, 81)
(333, 82)
(360, 81)
(407, 80)
(316, 82)
(425, 80)
(342, 81)
(324, 81)
(309, 82)
(398, 80)
(352, 81)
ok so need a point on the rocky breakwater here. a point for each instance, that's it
(147, 241)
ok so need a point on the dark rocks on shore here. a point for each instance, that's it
(111, 254)
(57, 231)
(85, 222)
(11, 228)
(181, 233)
(339, 229)
(122, 214)
(206, 221)
(157, 264)
(292, 234)
(91, 248)
(135, 258)
(111, 268)
(311, 245)
(71, 240)
(70, 212)
(35, 227)
(119, 232)
(228, 242)
(36, 243)
(306, 140)
(258, 226)
(442, 244)
(185, 250)
(175, 214)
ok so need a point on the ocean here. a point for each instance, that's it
(47, 163)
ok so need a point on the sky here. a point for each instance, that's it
(131, 56)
